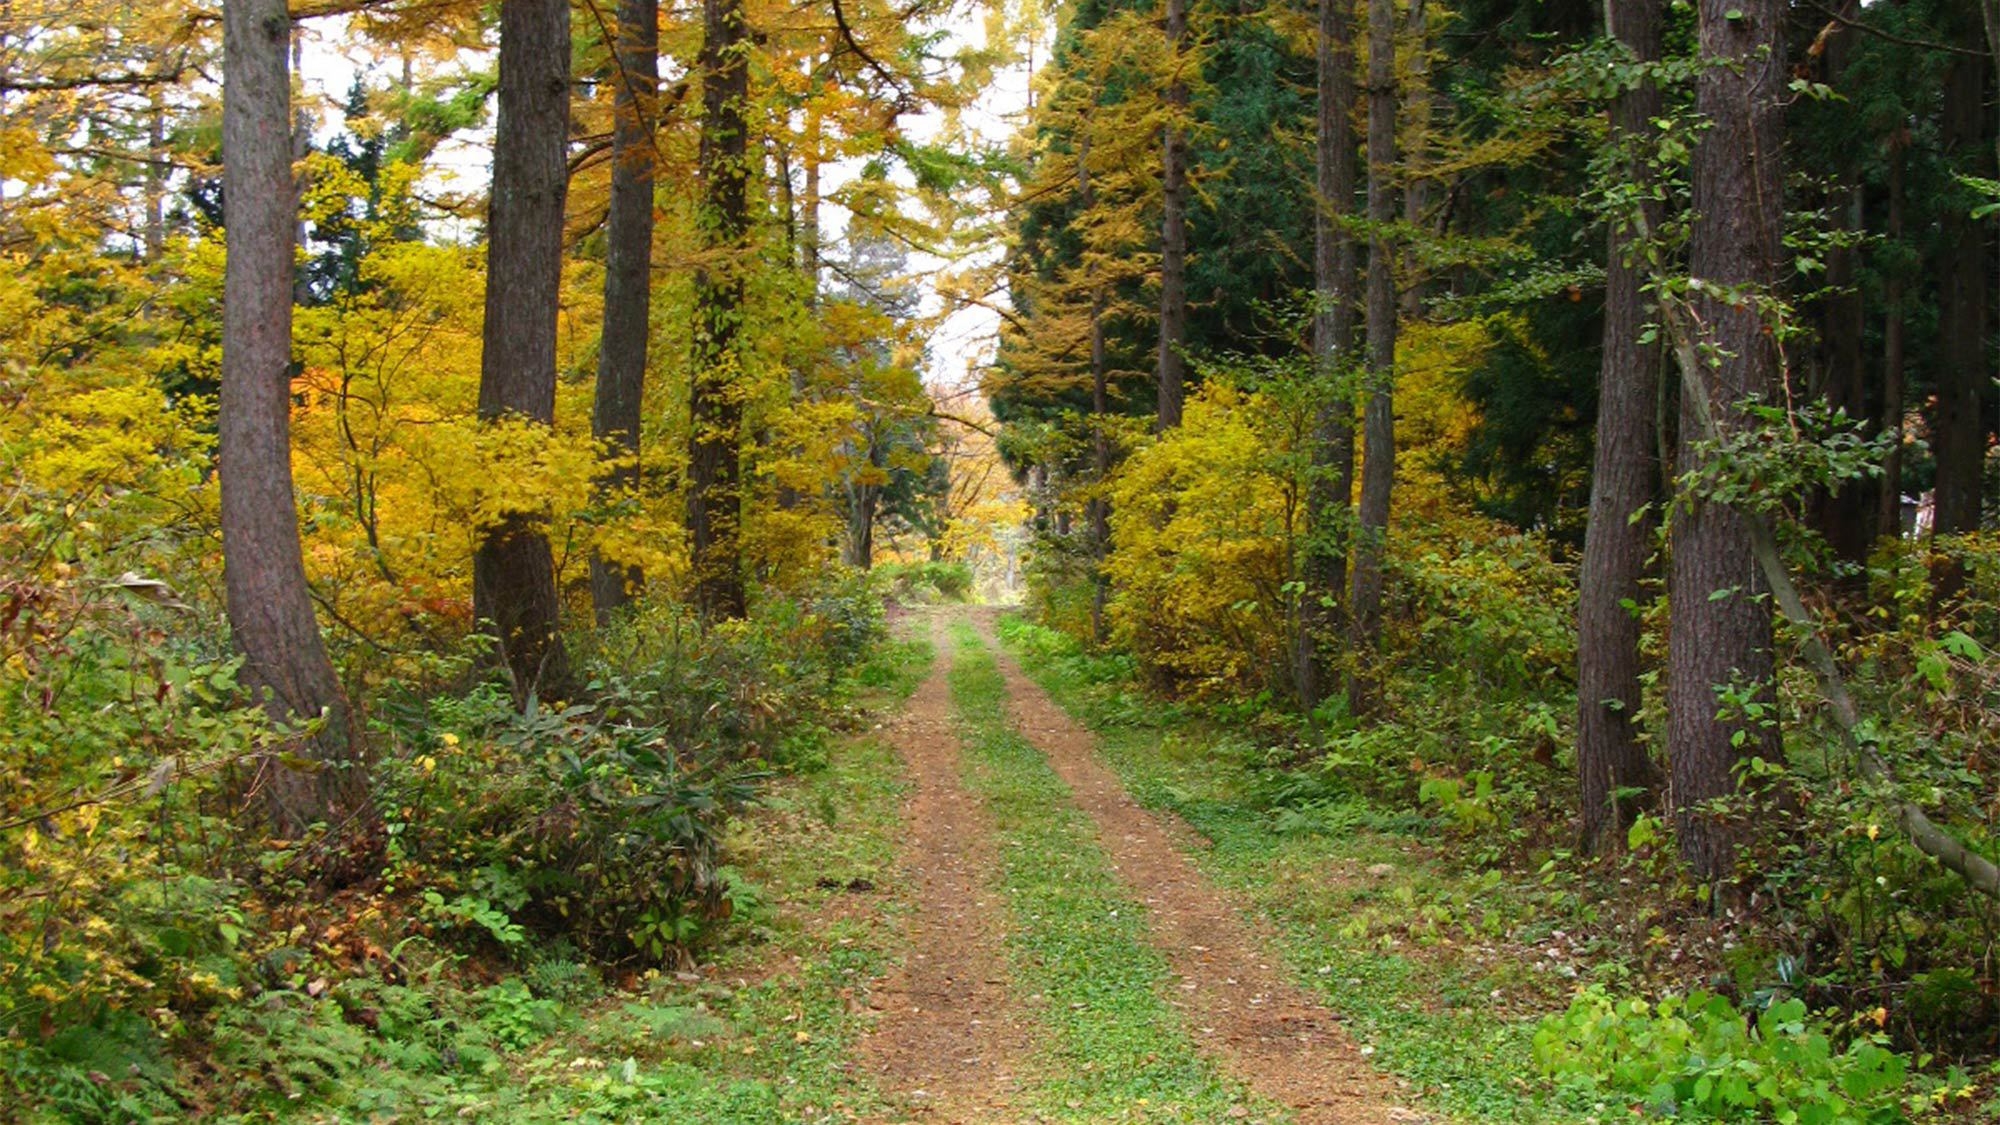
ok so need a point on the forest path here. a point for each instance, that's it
(949, 1038)
(1262, 1028)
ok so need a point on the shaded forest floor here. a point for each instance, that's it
(1019, 897)
(980, 911)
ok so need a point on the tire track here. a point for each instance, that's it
(1244, 1010)
(949, 1041)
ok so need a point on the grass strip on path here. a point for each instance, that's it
(1428, 1022)
(1118, 1051)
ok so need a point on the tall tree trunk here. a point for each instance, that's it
(1721, 625)
(1894, 375)
(628, 280)
(1845, 514)
(264, 576)
(1330, 493)
(715, 408)
(302, 124)
(155, 242)
(1609, 756)
(1173, 229)
(513, 570)
(1098, 511)
(1414, 145)
(1378, 463)
(863, 501)
(1958, 425)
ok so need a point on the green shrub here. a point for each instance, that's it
(1699, 1057)
(926, 582)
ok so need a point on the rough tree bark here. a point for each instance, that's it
(270, 608)
(1329, 496)
(513, 569)
(628, 281)
(1378, 463)
(1958, 425)
(715, 406)
(1173, 230)
(1624, 478)
(1721, 626)
(1098, 510)
(1844, 516)
(1889, 519)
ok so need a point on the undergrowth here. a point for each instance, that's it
(1452, 937)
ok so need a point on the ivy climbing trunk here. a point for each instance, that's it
(1720, 636)
(1336, 269)
(270, 607)
(513, 569)
(1173, 227)
(1613, 770)
(715, 401)
(1378, 464)
(628, 281)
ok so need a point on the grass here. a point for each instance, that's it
(1116, 1050)
(1429, 1013)
(762, 1036)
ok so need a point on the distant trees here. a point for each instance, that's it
(270, 607)
(514, 582)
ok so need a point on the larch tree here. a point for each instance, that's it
(513, 577)
(1336, 274)
(270, 607)
(1958, 425)
(1613, 769)
(1173, 224)
(1719, 693)
(715, 404)
(1097, 511)
(1378, 465)
(628, 281)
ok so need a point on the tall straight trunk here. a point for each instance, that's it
(155, 242)
(1890, 517)
(302, 123)
(1845, 515)
(1173, 230)
(264, 576)
(1098, 511)
(1958, 426)
(802, 212)
(1609, 757)
(715, 406)
(513, 570)
(1721, 625)
(628, 280)
(863, 502)
(1330, 493)
(1378, 463)
(1414, 145)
